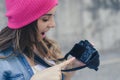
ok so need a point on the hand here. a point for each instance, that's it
(73, 64)
(77, 63)
(52, 73)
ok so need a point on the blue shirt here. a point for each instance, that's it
(14, 67)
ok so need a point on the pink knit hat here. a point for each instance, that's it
(23, 12)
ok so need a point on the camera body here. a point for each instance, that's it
(85, 52)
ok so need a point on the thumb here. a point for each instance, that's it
(65, 63)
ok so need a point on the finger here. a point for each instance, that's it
(65, 63)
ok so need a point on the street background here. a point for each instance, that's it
(95, 20)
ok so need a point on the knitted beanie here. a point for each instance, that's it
(22, 12)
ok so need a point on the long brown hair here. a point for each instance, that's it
(23, 40)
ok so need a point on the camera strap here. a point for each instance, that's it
(45, 64)
(72, 69)
(82, 51)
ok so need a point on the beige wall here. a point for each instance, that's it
(95, 20)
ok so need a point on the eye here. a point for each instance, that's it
(45, 20)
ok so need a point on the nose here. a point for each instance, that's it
(52, 23)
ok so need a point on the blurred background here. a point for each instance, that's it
(95, 20)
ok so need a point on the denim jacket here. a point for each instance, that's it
(14, 67)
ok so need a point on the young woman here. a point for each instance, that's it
(23, 43)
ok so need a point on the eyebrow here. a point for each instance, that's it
(48, 15)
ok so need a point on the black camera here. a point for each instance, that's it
(85, 52)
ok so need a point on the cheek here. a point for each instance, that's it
(41, 25)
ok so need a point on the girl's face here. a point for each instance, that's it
(46, 22)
